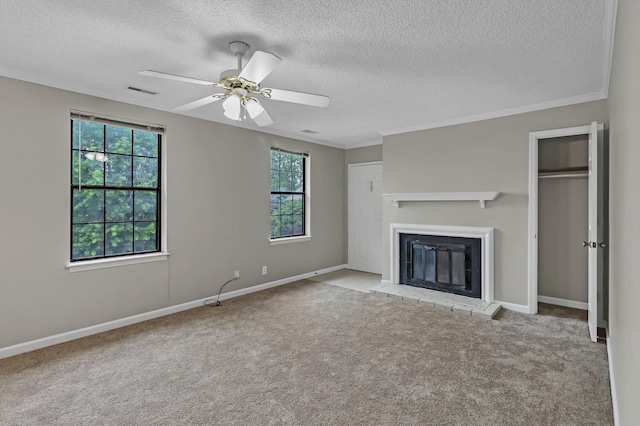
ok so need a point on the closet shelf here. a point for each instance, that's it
(396, 199)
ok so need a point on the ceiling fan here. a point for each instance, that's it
(240, 84)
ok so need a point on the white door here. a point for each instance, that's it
(365, 217)
(595, 230)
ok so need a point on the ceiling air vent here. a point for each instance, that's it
(137, 89)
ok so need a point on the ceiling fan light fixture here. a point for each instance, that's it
(232, 107)
(254, 108)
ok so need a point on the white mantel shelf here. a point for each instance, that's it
(482, 197)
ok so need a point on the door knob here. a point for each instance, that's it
(602, 245)
(586, 244)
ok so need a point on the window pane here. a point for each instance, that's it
(297, 204)
(145, 205)
(285, 161)
(287, 205)
(119, 238)
(88, 241)
(88, 136)
(119, 206)
(275, 180)
(88, 205)
(287, 225)
(297, 183)
(298, 224)
(145, 143)
(145, 236)
(285, 182)
(118, 140)
(85, 171)
(145, 172)
(275, 160)
(275, 203)
(296, 163)
(275, 226)
(118, 168)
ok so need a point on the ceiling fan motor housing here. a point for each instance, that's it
(230, 80)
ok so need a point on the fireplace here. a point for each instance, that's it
(445, 263)
(483, 236)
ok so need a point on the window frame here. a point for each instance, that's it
(306, 197)
(104, 261)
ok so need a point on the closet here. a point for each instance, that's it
(563, 212)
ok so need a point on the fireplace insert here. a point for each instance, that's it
(450, 264)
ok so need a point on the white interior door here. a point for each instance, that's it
(365, 217)
(595, 231)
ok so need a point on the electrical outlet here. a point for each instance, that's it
(236, 273)
(264, 270)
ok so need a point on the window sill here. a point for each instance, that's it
(289, 240)
(89, 265)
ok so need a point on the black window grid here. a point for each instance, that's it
(301, 193)
(132, 188)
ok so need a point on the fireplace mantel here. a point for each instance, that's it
(482, 197)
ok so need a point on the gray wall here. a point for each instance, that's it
(490, 155)
(218, 216)
(563, 212)
(624, 202)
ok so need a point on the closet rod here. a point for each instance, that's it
(563, 175)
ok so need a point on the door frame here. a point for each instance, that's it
(349, 168)
(534, 137)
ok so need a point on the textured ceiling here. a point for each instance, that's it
(388, 66)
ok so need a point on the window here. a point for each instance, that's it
(115, 188)
(288, 194)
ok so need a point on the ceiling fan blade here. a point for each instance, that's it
(259, 66)
(295, 97)
(263, 119)
(199, 103)
(175, 77)
(232, 108)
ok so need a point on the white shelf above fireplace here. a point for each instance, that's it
(482, 197)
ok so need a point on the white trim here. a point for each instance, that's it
(532, 264)
(363, 144)
(497, 114)
(524, 309)
(610, 14)
(369, 163)
(396, 199)
(122, 322)
(289, 240)
(563, 302)
(485, 235)
(111, 262)
(612, 383)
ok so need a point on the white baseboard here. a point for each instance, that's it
(612, 383)
(563, 302)
(111, 325)
(514, 307)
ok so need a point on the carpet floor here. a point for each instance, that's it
(309, 353)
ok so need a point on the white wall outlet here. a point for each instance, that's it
(264, 270)
(236, 273)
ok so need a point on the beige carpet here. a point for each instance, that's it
(314, 354)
